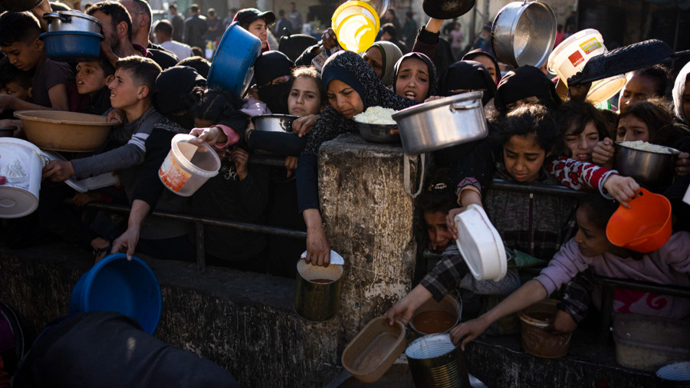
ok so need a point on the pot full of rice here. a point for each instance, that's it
(650, 164)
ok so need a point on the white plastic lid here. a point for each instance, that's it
(78, 185)
(480, 244)
(15, 202)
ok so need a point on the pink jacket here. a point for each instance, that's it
(668, 265)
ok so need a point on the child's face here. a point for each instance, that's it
(344, 99)
(90, 77)
(24, 56)
(590, 239)
(436, 227)
(304, 98)
(14, 89)
(124, 92)
(523, 158)
(582, 144)
(413, 80)
(630, 128)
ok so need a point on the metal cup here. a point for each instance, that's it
(316, 300)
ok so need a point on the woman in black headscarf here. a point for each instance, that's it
(351, 86)
(525, 85)
(415, 77)
(467, 76)
(272, 71)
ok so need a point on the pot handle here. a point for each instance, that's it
(406, 177)
(54, 15)
(454, 107)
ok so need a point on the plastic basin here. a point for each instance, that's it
(645, 227)
(126, 287)
(434, 317)
(534, 337)
(65, 131)
(375, 348)
(72, 46)
(480, 244)
(233, 64)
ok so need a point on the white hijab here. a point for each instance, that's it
(679, 90)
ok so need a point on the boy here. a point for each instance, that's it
(91, 93)
(130, 92)
(19, 39)
(14, 82)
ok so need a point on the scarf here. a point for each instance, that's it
(468, 75)
(524, 82)
(475, 53)
(679, 90)
(433, 85)
(390, 54)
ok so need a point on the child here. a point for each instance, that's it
(92, 87)
(583, 127)
(17, 83)
(19, 39)
(591, 249)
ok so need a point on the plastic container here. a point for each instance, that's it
(317, 291)
(647, 343)
(65, 131)
(233, 65)
(676, 375)
(72, 46)
(435, 362)
(375, 348)
(356, 25)
(433, 317)
(534, 338)
(645, 227)
(186, 168)
(117, 284)
(571, 56)
(21, 166)
(480, 244)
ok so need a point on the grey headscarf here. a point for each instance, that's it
(679, 90)
(390, 54)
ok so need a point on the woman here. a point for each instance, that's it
(382, 57)
(415, 77)
(351, 87)
(486, 59)
(681, 95)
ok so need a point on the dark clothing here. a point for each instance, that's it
(401, 46)
(409, 32)
(280, 25)
(467, 75)
(524, 82)
(106, 349)
(47, 75)
(434, 47)
(178, 27)
(194, 30)
(282, 144)
(214, 29)
(164, 58)
(97, 104)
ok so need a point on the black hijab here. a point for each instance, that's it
(468, 75)
(433, 77)
(269, 66)
(524, 82)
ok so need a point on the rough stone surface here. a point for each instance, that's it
(369, 221)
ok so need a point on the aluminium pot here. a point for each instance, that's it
(72, 21)
(524, 33)
(442, 123)
(647, 167)
(274, 123)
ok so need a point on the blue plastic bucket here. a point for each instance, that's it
(126, 287)
(72, 46)
(233, 64)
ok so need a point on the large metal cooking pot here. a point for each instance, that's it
(442, 123)
(274, 123)
(524, 33)
(71, 21)
(647, 167)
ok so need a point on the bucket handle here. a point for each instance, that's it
(54, 15)
(456, 107)
(406, 173)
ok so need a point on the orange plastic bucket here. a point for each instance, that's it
(645, 227)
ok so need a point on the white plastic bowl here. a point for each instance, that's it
(480, 244)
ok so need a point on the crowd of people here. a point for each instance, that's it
(534, 137)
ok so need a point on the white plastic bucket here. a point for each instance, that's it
(186, 168)
(571, 56)
(480, 244)
(21, 166)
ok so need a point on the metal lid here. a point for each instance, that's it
(426, 106)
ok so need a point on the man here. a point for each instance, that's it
(410, 29)
(214, 26)
(282, 24)
(295, 19)
(257, 23)
(164, 32)
(140, 12)
(177, 23)
(391, 35)
(195, 28)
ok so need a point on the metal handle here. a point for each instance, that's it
(54, 15)
(454, 107)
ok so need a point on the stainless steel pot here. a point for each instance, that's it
(524, 33)
(442, 123)
(650, 168)
(274, 123)
(378, 133)
(435, 362)
(72, 21)
(317, 291)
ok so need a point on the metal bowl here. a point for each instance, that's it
(71, 21)
(647, 167)
(378, 133)
(274, 123)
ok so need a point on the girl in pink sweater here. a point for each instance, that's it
(591, 249)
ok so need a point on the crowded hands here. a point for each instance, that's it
(622, 188)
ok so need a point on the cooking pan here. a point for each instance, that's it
(447, 9)
(72, 21)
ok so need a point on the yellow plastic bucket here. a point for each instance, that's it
(572, 55)
(356, 25)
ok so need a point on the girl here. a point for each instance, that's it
(415, 77)
(351, 87)
(486, 59)
(525, 148)
(649, 121)
(382, 57)
(591, 249)
(583, 127)
(643, 84)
